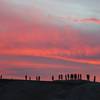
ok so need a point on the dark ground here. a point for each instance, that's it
(57, 90)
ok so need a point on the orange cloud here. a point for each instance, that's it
(50, 52)
(66, 55)
(90, 20)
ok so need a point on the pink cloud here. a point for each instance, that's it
(81, 20)
(89, 20)
(65, 55)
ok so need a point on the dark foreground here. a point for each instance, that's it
(64, 90)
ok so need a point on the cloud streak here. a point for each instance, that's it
(80, 20)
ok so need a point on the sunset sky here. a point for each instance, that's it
(45, 37)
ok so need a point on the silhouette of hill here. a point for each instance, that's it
(45, 90)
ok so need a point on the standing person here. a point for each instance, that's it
(39, 78)
(80, 76)
(1, 76)
(88, 77)
(75, 76)
(61, 76)
(71, 76)
(66, 77)
(52, 78)
(94, 79)
(26, 77)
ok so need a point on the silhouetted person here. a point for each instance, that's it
(52, 78)
(36, 78)
(71, 76)
(88, 77)
(61, 77)
(1, 76)
(65, 77)
(25, 77)
(75, 76)
(29, 77)
(94, 79)
(39, 78)
(80, 76)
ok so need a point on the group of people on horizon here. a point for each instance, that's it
(61, 77)
(65, 77)
(72, 77)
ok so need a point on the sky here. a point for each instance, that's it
(45, 37)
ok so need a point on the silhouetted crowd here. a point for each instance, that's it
(73, 77)
(62, 77)
(65, 77)
(70, 77)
